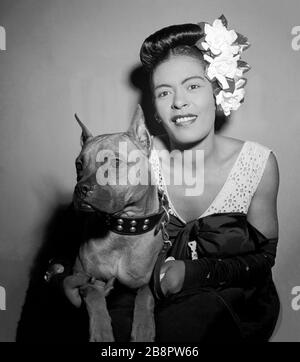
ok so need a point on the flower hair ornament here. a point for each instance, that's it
(222, 49)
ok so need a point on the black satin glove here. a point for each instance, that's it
(237, 271)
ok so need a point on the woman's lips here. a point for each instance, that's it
(184, 121)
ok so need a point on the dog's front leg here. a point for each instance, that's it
(99, 319)
(143, 326)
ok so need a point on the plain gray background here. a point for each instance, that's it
(72, 56)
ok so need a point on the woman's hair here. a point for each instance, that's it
(172, 40)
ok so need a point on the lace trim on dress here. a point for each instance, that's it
(239, 187)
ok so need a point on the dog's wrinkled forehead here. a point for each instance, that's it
(118, 143)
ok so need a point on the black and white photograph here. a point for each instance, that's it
(149, 170)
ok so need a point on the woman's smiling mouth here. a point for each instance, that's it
(184, 120)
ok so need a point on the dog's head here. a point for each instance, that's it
(113, 170)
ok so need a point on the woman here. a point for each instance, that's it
(191, 67)
(217, 284)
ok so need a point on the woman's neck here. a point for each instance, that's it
(207, 145)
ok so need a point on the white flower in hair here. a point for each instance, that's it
(222, 66)
(217, 37)
(222, 49)
(230, 101)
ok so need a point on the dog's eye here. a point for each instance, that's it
(115, 162)
(79, 166)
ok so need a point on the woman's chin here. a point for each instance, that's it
(187, 140)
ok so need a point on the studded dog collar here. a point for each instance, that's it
(133, 225)
(140, 224)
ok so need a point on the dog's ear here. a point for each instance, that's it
(139, 131)
(86, 134)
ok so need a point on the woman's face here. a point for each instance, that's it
(184, 99)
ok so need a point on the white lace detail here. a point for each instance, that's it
(155, 164)
(240, 186)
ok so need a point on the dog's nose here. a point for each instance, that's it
(82, 190)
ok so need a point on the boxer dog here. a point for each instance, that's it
(109, 170)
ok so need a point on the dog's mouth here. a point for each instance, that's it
(82, 205)
(87, 207)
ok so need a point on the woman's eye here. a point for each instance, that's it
(194, 86)
(162, 94)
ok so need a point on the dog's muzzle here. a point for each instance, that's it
(82, 190)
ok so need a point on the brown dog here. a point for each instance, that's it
(134, 214)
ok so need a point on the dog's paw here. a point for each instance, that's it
(101, 336)
(100, 325)
(143, 330)
(97, 287)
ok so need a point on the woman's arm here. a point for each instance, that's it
(262, 212)
(65, 242)
(238, 270)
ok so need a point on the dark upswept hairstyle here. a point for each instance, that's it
(172, 40)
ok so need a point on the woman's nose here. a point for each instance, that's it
(179, 101)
